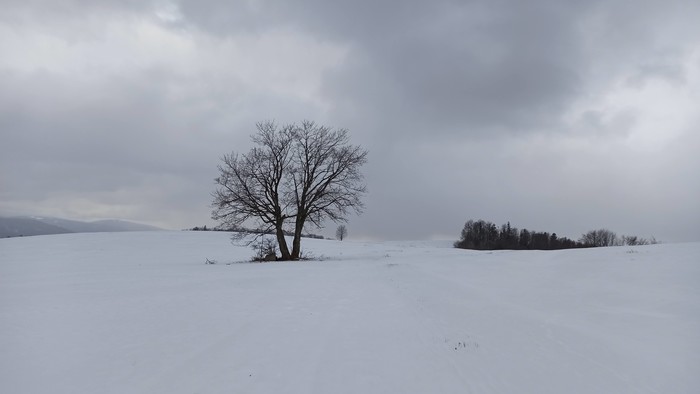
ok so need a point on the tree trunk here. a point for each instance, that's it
(282, 242)
(296, 243)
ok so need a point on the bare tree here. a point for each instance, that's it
(601, 237)
(341, 232)
(305, 173)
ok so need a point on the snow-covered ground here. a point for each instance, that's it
(143, 313)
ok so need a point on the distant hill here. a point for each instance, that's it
(33, 225)
(23, 226)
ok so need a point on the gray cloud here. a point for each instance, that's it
(557, 116)
(462, 65)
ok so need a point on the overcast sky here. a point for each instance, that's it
(559, 116)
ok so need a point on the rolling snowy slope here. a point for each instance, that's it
(143, 313)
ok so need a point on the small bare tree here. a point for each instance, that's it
(341, 232)
(301, 173)
(633, 240)
(265, 249)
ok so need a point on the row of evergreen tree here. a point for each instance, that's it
(484, 235)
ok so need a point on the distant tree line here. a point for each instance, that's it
(249, 231)
(605, 237)
(484, 235)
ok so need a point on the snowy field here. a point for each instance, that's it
(143, 313)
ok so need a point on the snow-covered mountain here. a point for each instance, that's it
(38, 225)
(141, 312)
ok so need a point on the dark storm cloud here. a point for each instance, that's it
(468, 67)
(498, 71)
(558, 116)
(461, 66)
